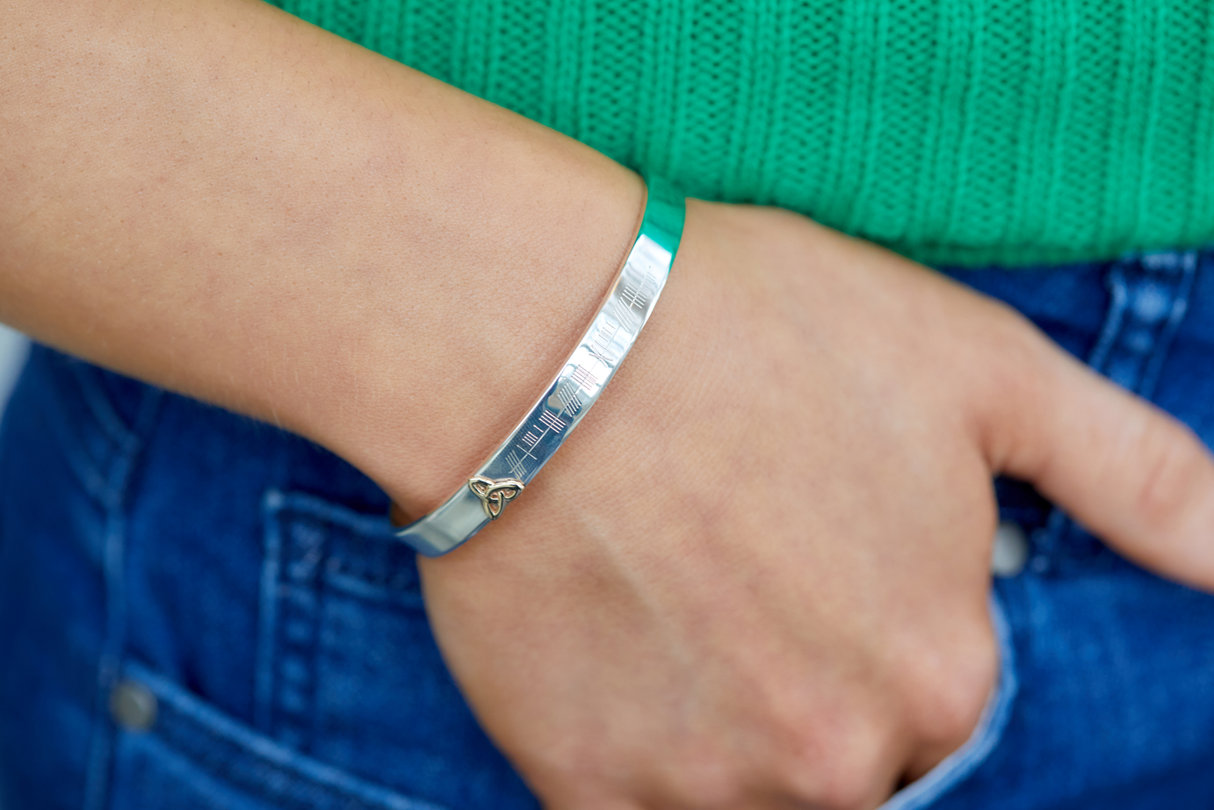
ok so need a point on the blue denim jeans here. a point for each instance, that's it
(200, 611)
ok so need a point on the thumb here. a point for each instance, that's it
(1126, 470)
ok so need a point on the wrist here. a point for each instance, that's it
(429, 403)
(271, 219)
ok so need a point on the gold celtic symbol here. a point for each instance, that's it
(494, 495)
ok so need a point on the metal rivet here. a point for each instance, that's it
(1011, 550)
(1151, 302)
(133, 706)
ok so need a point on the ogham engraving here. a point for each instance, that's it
(553, 421)
(566, 398)
(634, 296)
(515, 462)
(598, 354)
(600, 346)
(581, 385)
(627, 318)
(584, 379)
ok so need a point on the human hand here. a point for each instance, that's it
(757, 576)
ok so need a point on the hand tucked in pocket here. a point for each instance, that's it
(757, 576)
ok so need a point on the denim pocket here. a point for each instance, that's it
(196, 758)
(347, 669)
(960, 764)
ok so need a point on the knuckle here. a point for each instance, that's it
(704, 780)
(842, 764)
(1006, 334)
(571, 771)
(1172, 463)
(851, 780)
(953, 686)
(1009, 373)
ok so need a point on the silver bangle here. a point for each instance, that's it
(581, 380)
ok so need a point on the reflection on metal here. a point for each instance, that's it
(133, 706)
(1011, 550)
(577, 386)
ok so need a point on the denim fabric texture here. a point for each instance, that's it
(200, 611)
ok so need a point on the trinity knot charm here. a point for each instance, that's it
(494, 495)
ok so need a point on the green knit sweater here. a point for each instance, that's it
(954, 131)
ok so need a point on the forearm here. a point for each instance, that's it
(218, 198)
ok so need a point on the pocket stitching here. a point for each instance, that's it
(184, 715)
(300, 562)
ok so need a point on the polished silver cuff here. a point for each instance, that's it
(602, 348)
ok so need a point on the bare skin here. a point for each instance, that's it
(757, 575)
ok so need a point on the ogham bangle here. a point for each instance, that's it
(568, 398)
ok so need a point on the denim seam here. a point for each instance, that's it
(1163, 342)
(96, 482)
(286, 671)
(273, 761)
(1114, 320)
(271, 571)
(1122, 280)
(359, 588)
(342, 568)
(102, 410)
(121, 472)
(329, 512)
(293, 574)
